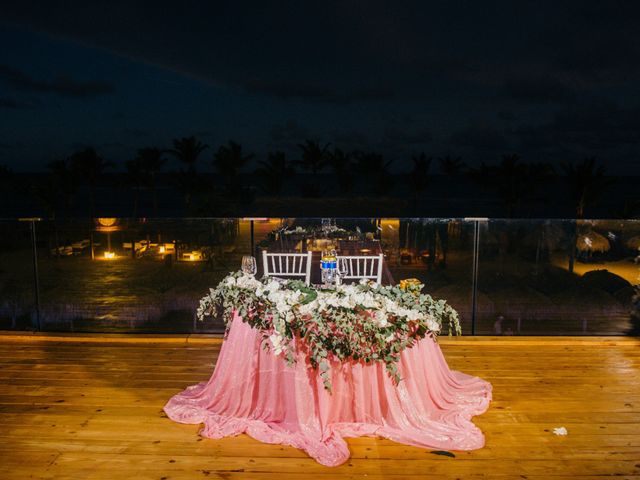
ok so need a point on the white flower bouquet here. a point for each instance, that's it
(361, 322)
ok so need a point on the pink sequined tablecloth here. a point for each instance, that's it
(255, 392)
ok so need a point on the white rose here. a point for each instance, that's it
(294, 297)
(380, 318)
(276, 342)
(432, 324)
(247, 281)
(308, 308)
(275, 297)
(369, 301)
(390, 306)
(273, 286)
(283, 307)
(358, 298)
(346, 302)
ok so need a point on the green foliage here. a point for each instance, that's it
(365, 322)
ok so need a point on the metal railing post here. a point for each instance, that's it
(36, 280)
(474, 273)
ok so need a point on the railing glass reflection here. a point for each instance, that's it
(505, 277)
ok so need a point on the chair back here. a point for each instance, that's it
(287, 265)
(363, 267)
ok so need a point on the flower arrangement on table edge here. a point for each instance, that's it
(362, 322)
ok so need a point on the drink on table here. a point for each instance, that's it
(328, 267)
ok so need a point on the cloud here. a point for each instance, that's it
(480, 137)
(406, 136)
(136, 132)
(204, 133)
(317, 92)
(11, 146)
(12, 104)
(350, 139)
(113, 145)
(290, 131)
(587, 128)
(347, 52)
(61, 85)
(507, 115)
(540, 90)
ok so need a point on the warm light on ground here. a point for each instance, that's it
(109, 255)
(623, 268)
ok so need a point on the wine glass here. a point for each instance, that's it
(326, 226)
(249, 266)
(342, 267)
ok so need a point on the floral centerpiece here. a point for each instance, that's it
(361, 322)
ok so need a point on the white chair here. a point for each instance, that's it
(363, 267)
(287, 265)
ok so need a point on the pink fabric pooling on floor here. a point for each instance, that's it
(255, 392)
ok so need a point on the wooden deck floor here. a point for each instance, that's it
(88, 407)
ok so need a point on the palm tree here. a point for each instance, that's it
(450, 165)
(46, 192)
(420, 172)
(6, 184)
(65, 179)
(136, 177)
(5, 173)
(342, 165)
(514, 181)
(187, 150)
(229, 160)
(375, 169)
(314, 156)
(151, 161)
(587, 182)
(511, 182)
(273, 172)
(62, 183)
(87, 165)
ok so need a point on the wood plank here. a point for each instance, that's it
(89, 406)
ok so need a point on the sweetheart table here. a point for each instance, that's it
(256, 392)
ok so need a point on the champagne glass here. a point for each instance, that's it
(326, 226)
(249, 266)
(343, 267)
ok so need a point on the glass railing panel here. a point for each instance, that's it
(439, 252)
(18, 309)
(557, 277)
(534, 277)
(119, 275)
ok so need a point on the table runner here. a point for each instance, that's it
(256, 392)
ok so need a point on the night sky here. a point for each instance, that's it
(550, 81)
